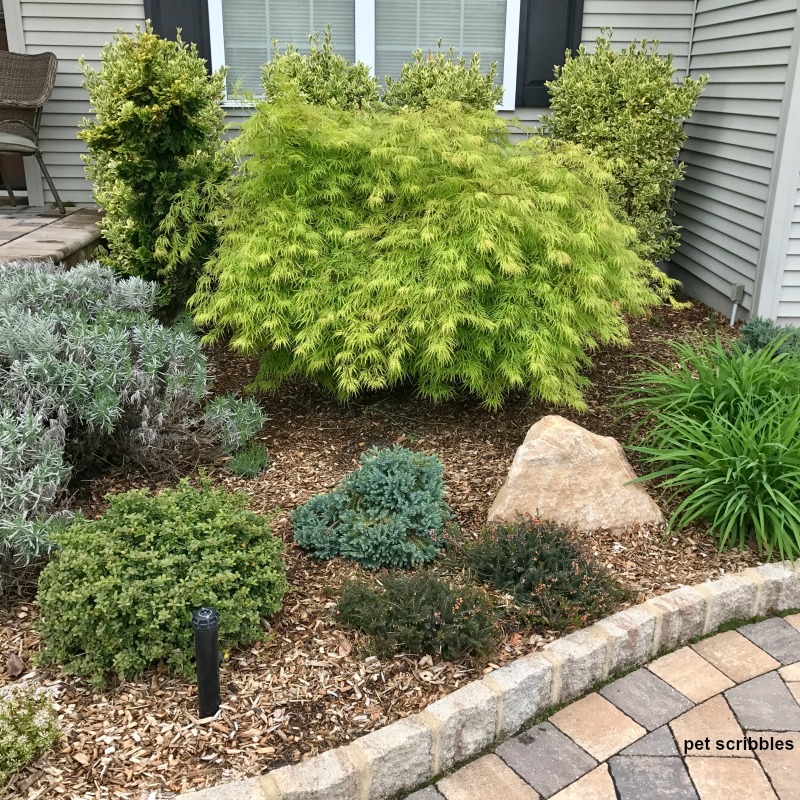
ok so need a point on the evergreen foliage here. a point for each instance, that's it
(235, 421)
(365, 249)
(390, 512)
(250, 461)
(626, 108)
(86, 374)
(156, 155)
(28, 728)
(430, 79)
(322, 77)
(722, 429)
(422, 614)
(120, 592)
(758, 333)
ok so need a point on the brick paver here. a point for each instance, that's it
(689, 673)
(646, 698)
(486, 777)
(715, 721)
(599, 727)
(736, 656)
(719, 779)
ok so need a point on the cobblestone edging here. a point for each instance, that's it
(412, 751)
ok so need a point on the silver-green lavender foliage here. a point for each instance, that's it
(390, 512)
(235, 421)
(27, 728)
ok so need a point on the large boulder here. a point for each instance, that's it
(568, 475)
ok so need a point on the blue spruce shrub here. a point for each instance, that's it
(390, 512)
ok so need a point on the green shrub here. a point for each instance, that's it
(545, 571)
(421, 614)
(758, 333)
(322, 77)
(156, 155)
(235, 421)
(429, 79)
(120, 592)
(27, 728)
(365, 249)
(722, 430)
(626, 108)
(390, 512)
(249, 462)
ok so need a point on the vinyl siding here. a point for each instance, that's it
(744, 47)
(71, 30)
(789, 305)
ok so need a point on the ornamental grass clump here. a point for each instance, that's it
(423, 615)
(119, 594)
(550, 579)
(364, 249)
(721, 429)
(390, 512)
(627, 108)
(28, 728)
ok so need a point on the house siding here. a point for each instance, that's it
(71, 30)
(745, 48)
(789, 304)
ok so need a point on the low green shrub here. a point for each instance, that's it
(367, 249)
(321, 77)
(430, 79)
(544, 570)
(722, 430)
(250, 461)
(120, 591)
(235, 421)
(27, 728)
(421, 614)
(627, 108)
(87, 375)
(390, 512)
(157, 157)
(758, 333)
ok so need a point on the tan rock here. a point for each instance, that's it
(570, 476)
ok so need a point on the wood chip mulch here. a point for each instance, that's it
(310, 687)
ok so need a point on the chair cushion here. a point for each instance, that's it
(11, 143)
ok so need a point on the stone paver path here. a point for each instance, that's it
(712, 721)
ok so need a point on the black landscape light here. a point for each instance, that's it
(205, 623)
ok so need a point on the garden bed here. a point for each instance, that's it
(310, 687)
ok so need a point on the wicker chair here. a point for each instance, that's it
(26, 83)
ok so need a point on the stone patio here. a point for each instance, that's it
(43, 233)
(714, 720)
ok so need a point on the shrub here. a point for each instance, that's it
(250, 461)
(546, 573)
(86, 375)
(235, 421)
(626, 108)
(367, 249)
(120, 592)
(429, 79)
(758, 333)
(421, 614)
(156, 155)
(322, 77)
(389, 512)
(27, 728)
(723, 431)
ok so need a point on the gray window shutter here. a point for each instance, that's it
(548, 28)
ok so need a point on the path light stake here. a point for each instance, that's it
(205, 622)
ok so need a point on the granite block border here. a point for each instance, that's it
(412, 751)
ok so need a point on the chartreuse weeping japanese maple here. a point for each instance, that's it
(366, 248)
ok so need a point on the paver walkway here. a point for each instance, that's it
(716, 720)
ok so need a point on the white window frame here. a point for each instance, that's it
(365, 44)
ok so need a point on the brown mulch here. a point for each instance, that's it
(310, 687)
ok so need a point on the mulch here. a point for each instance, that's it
(310, 686)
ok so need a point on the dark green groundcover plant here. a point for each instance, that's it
(119, 595)
(366, 248)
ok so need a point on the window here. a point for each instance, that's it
(381, 33)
